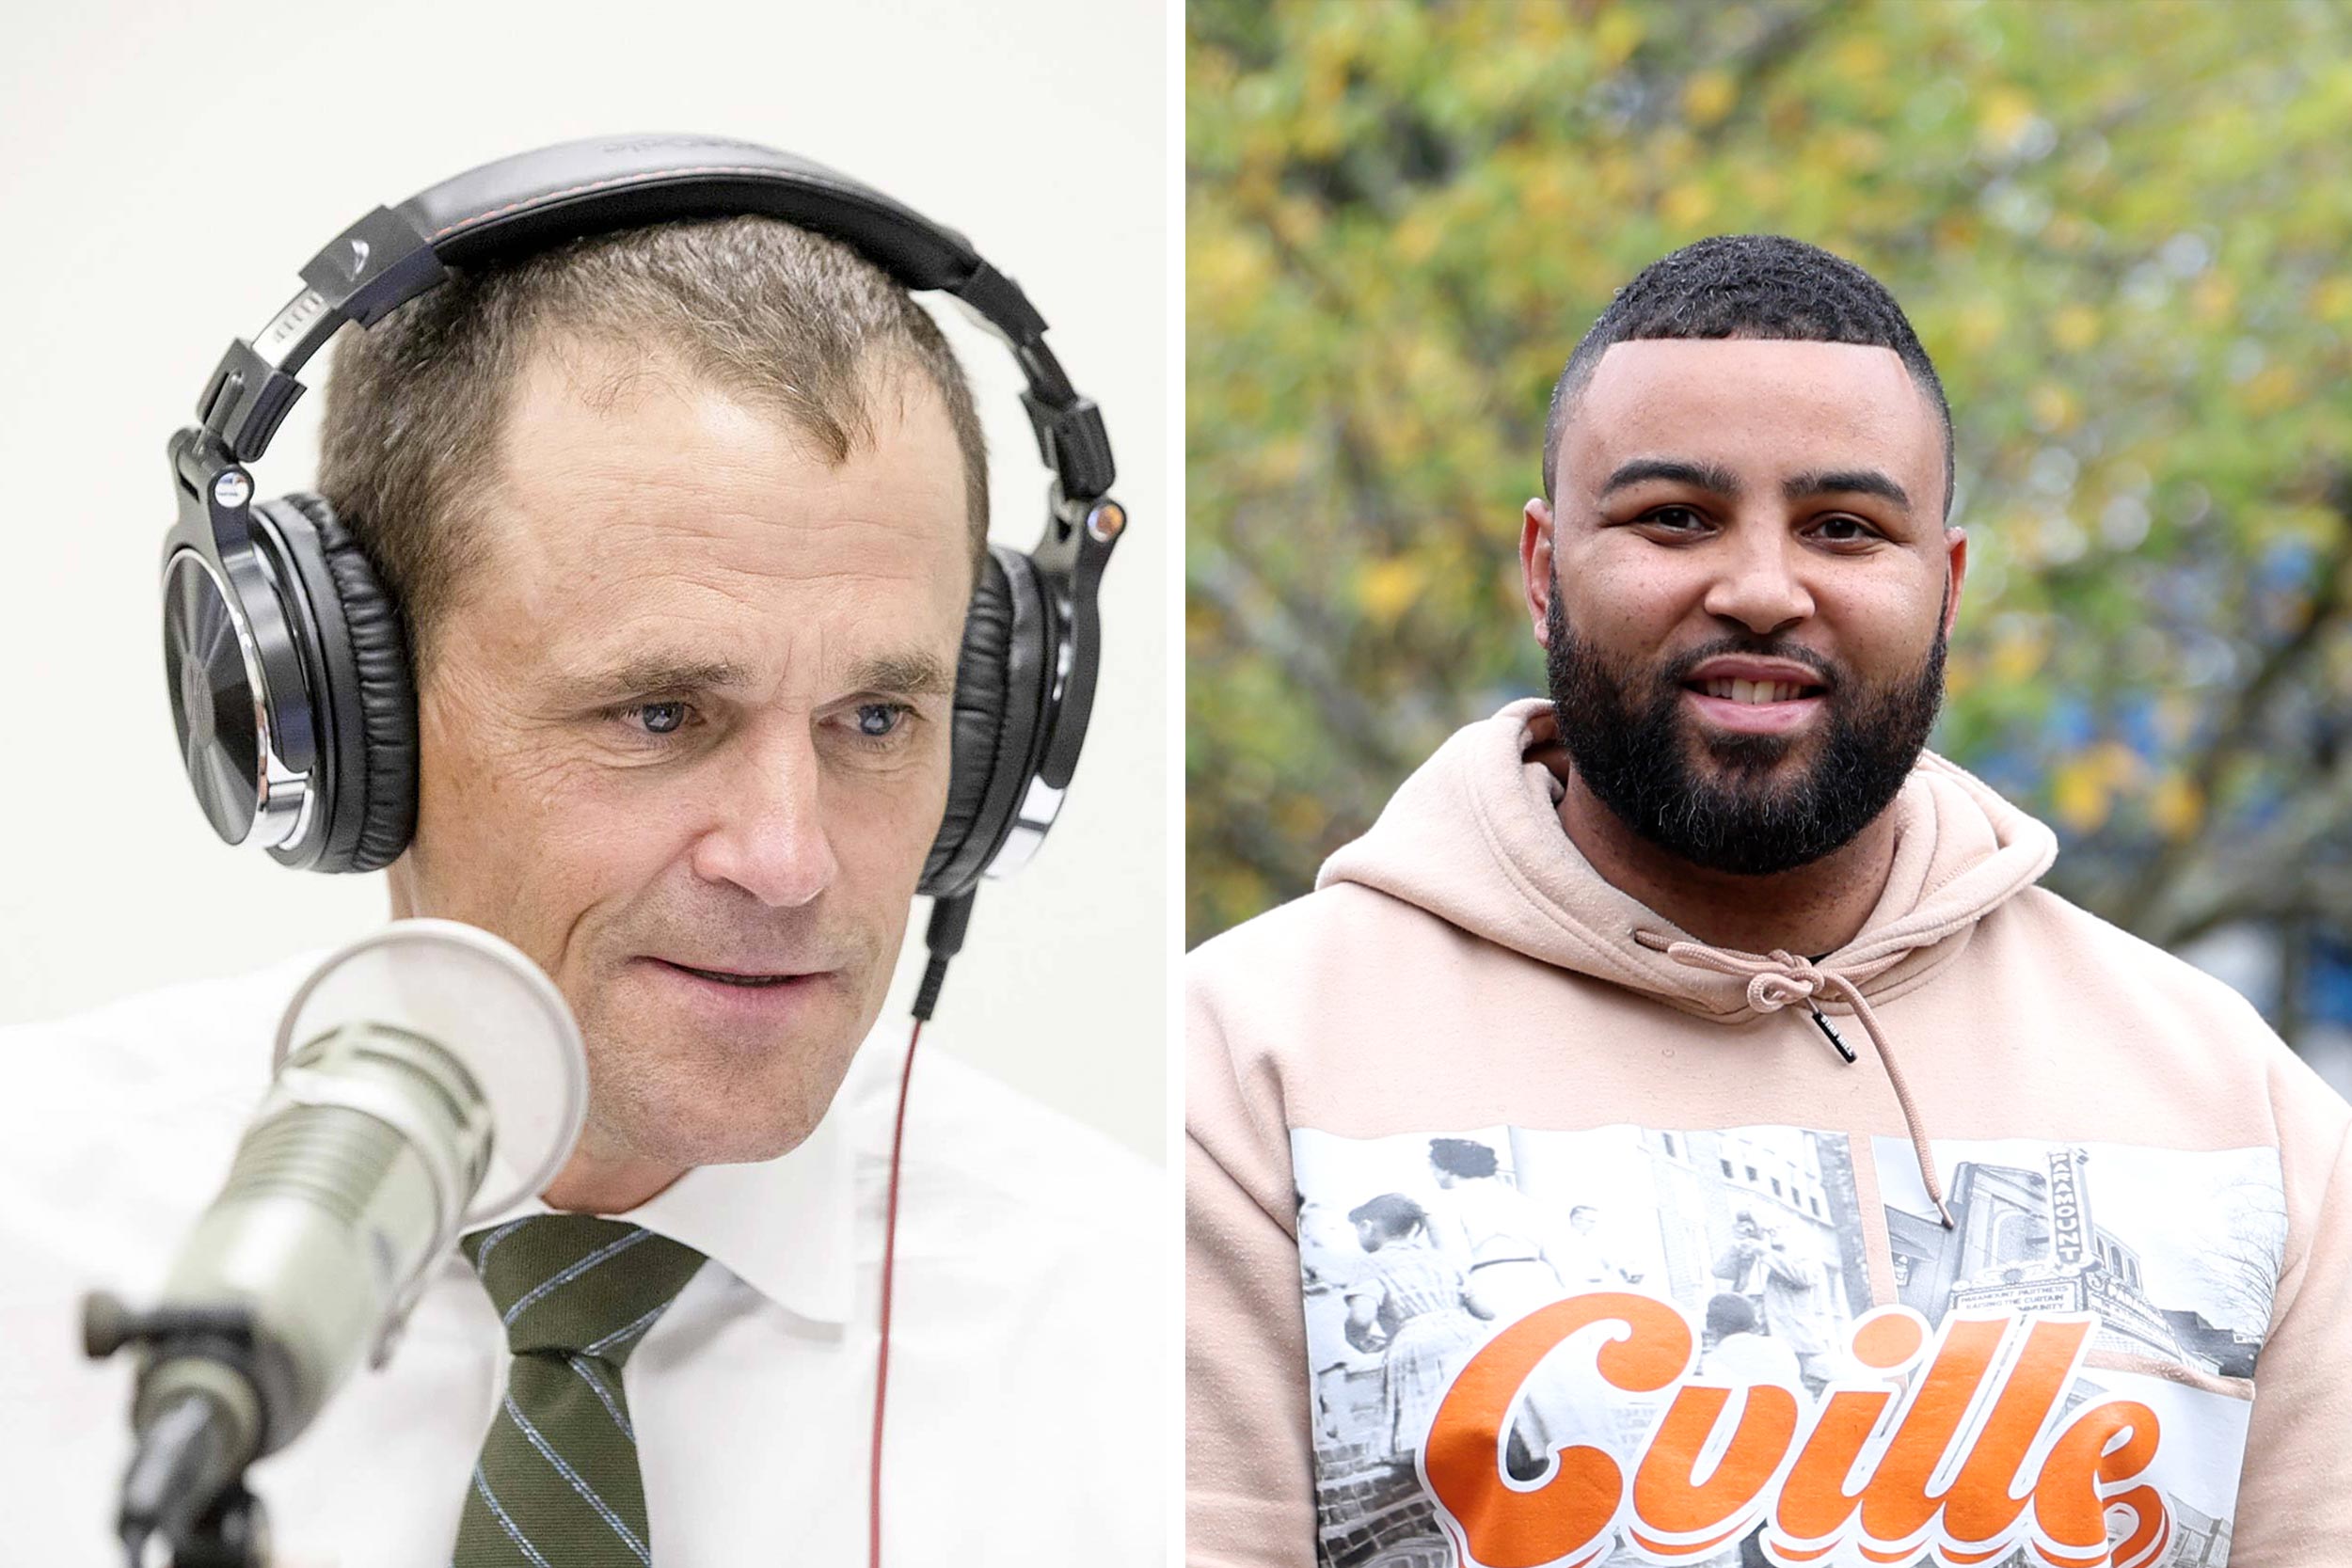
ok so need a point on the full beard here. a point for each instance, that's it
(1734, 817)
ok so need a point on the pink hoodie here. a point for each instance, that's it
(1512, 1209)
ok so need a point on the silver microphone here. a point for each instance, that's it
(431, 1055)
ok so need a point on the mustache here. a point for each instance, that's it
(1743, 647)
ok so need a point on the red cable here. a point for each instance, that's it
(882, 1354)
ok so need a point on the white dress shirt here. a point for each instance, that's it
(1028, 1423)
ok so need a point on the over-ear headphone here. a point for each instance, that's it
(288, 669)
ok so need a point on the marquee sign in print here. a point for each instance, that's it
(1760, 1345)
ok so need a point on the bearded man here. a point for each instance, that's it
(1710, 931)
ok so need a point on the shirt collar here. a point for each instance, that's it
(784, 1227)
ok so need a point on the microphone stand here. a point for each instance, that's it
(185, 1484)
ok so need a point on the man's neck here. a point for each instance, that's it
(1810, 910)
(599, 1184)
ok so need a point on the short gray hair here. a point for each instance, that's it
(797, 323)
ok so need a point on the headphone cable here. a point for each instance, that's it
(950, 919)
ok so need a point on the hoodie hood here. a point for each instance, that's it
(1474, 838)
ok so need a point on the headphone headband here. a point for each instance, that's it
(290, 678)
(535, 199)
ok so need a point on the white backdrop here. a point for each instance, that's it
(162, 176)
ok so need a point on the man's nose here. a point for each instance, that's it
(767, 833)
(1759, 579)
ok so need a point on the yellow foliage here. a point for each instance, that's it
(2331, 299)
(2075, 328)
(1226, 265)
(2175, 807)
(1860, 57)
(2054, 408)
(2213, 297)
(2079, 793)
(2118, 763)
(2274, 388)
(1280, 460)
(1687, 205)
(1616, 36)
(1547, 190)
(1708, 97)
(1416, 238)
(1981, 323)
(1387, 589)
(2002, 118)
(2017, 656)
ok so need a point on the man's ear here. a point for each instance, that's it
(1956, 559)
(1536, 566)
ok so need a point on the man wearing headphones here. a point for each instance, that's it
(652, 544)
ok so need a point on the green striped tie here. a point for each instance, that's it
(557, 1485)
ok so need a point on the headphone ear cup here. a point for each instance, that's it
(1003, 686)
(368, 721)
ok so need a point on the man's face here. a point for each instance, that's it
(1740, 519)
(685, 736)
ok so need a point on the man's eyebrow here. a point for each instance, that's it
(1861, 482)
(909, 674)
(899, 675)
(1711, 477)
(662, 673)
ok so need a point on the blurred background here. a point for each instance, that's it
(2124, 233)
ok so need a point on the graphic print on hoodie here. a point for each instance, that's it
(1706, 1309)
(1799, 1345)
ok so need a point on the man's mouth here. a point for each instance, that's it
(1754, 691)
(733, 977)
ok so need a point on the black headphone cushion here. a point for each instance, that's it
(979, 716)
(385, 795)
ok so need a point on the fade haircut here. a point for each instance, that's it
(791, 322)
(1747, 286)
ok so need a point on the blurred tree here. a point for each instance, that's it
(2124, 232)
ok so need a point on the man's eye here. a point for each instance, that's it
(1846, 530)
(878, 720)
(660, 717)
(1678, 518)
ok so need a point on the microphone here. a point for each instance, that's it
(431, 1055)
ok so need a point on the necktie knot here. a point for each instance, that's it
(577, 1283)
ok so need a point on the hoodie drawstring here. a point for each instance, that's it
(1778, 979)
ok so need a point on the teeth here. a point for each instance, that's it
(1754, 691)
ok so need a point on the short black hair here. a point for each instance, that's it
(1748, 286)
(1728, 1314)
(1396, 1215)
(1463, 1156)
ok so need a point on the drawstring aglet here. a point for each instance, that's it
(1945, 1212)
(1846, 1051)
